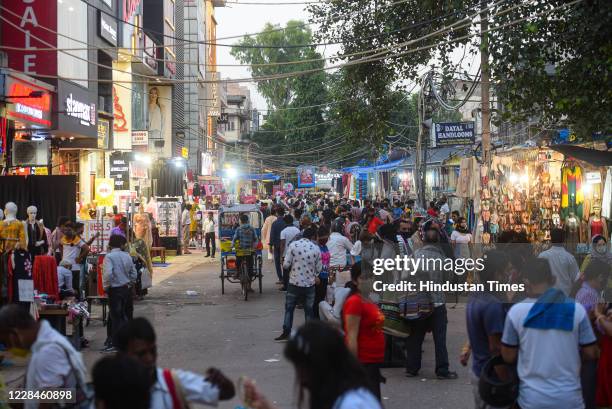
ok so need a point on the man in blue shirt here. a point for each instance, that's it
(275, 242)
(485, 315)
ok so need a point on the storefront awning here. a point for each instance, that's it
(594, 157)
(374, 168)
(261, 176)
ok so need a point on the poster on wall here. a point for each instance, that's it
(159, 120)
(120, 170)
(306, 176)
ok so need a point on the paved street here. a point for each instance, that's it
(195, 332)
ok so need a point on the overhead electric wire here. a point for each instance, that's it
(349, 63)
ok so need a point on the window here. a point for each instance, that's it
(73, 63)
(232, 125)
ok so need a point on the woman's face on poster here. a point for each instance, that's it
(153, 95)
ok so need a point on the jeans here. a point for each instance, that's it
(320, 293)
(437, 322)
(277, 263)
(121, 308)
(209, 238)
(375, 378)
(588, 379)
(294, 294)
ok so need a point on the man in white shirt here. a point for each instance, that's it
(562, 263)
(209, 235)
(288, 233)
(185, 223)
(338, 245)
(137, 339)
(54, 362)
(303, 257)
(548, 335)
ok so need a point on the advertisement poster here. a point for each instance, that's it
(94, 226)
(105, 189)
(122, 106)
(306, 176)
(454, 133)
(159, 120)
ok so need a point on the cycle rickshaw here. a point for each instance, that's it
(229, 220)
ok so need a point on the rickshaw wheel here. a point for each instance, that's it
(260, 273)
(222, 275)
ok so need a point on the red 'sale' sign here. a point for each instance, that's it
(29, 26)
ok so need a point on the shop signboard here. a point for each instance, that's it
(138, 171)
(120, 170)
(140, 138)
(214, 102)
(306, 176)
(30, 30)
(103, 133)
(288, 187)
(107, 28)
(22, 107)
(185, 152)
(593, 178)
(324, 180)
(105, 189)
(249, 199)
(77, 114)
(454, 133)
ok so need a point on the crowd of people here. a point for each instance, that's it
(547, 347)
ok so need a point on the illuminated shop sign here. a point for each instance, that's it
(83, 111)
(24, 106)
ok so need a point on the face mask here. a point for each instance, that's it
(322, 242)
(405, 234)
(601, 249)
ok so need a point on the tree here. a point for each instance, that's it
(287, 128)
(548, 59)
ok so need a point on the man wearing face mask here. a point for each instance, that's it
(54, 362)
(403, 237)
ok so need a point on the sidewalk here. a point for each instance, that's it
(181, 264)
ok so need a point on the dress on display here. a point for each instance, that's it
(19, 269)
(11, 232)
(142, 228)
(572, 197)
(572, 234)
(36, 233)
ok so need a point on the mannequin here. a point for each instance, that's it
(12, 231)
(35, 233)
(572, 232)
(142, 226)
(597, 224)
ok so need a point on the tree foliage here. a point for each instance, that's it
(553, 65)
(287, 129)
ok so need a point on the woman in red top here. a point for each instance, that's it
(372, 222)
(363, 326)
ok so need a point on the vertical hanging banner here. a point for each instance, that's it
(30, 25)
(306, 176)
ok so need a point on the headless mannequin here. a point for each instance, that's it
(12, 231)
(35, 233)
(597, 224)
(572, 232)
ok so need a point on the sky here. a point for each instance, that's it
(239, 19)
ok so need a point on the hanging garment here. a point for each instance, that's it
(36, 233)
(20, 268)
(11, 232)
(44, 274)
(572, 197)
(606, 200)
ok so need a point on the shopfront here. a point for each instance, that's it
(77, 137)
(26, 125)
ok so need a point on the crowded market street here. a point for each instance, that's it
(306, 204)
(208, 329)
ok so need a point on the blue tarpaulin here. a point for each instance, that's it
(261, 176)
(374, 168)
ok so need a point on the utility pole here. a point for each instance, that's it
(484, 84)
(424, 114)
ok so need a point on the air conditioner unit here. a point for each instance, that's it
(30, 153)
